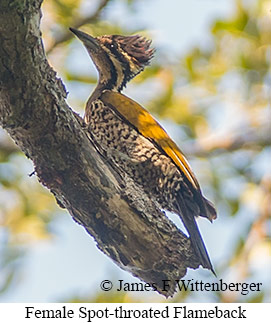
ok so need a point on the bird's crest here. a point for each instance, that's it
(135, 49)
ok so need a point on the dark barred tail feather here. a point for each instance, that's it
(191, 226)
(210, 210)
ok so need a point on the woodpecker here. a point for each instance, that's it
(130, 137)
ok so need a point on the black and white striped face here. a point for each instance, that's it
(128, 56)
(117, 58)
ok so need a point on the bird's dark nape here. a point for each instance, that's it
(191, 226)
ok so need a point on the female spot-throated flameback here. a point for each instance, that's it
(130, 138)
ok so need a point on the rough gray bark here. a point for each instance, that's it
(125, 223)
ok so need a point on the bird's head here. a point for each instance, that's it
(117, 58)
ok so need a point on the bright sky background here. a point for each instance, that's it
(70, 264)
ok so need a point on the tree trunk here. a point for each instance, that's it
(125, 223)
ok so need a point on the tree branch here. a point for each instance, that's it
(125, 223)
(78, 22)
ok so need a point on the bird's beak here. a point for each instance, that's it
(89, 41)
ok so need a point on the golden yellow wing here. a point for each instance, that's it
(141, 119)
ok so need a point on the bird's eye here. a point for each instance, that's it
(112, 46)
